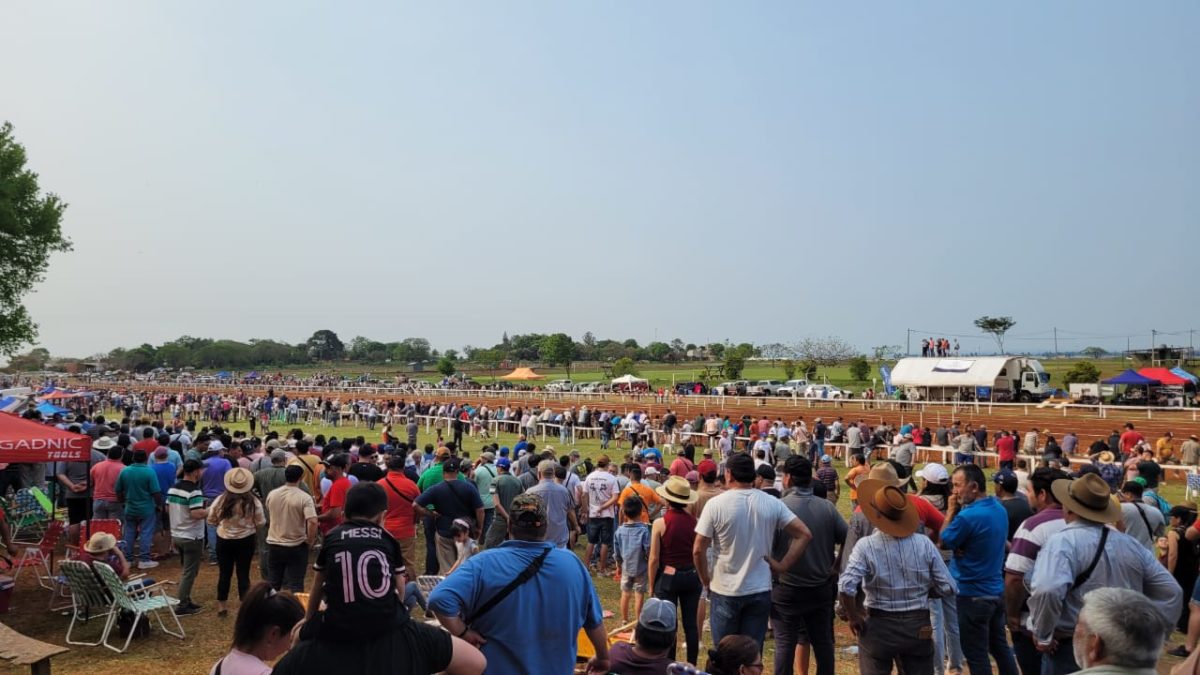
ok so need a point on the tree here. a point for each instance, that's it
(827, 351)
(1082, 371)
(658, 351)
(36, 359)
(631, 343)
(558, 349)
(884, 351)
(488, 358)
(859, 368)
(996, 326)
(733, 365)
(30, 230)
(789, 369)
(716, 350)
(446, 366)
(324, 345)
(1094, 352)
(624, 366)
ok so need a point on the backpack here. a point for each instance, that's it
(1158, 501)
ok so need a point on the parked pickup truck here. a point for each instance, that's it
(734, 388)
(764, 388)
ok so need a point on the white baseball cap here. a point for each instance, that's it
(934, 473)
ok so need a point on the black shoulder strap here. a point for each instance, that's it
(526, 574)
(1149, 530)
(399, 494)
(218, 669)
(1087, 574)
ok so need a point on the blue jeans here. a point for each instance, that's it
(488, 516)
(141, 529)
(981, 629)
(210, 531)
(943, 614)
(740, 615)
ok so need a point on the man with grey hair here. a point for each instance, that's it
(1120, 632)
(560, 508)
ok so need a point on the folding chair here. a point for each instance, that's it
(30, 508)
(147, 600)
(89, 599)
(41, 555)
(89, 527)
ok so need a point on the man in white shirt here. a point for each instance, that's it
(600, 492)
(741, 524)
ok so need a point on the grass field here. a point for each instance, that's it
(208, 636)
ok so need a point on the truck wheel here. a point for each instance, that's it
(1024, 397)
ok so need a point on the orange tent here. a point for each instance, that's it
(522, 374)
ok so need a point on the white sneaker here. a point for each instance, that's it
(147, 565)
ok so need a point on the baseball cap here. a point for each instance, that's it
(651, 471)
(450, 465)
(339, 460)
(706, 466)
(658, 614)
(441, 452)
(826, 459)
(504, 451)
(160, 452)
(528, 510)
(693, 476)
(934, 473)
(278, 456)
(488, 456)
(504, 462)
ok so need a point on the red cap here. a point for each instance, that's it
(706, 467)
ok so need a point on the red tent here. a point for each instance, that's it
(1163, 375)
(22, 440)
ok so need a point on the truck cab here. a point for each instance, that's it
(1031, 382)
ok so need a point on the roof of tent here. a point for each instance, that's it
(1163, 375)
(927, 372)
(47, 408)
(1186, 375)
(223, 373)
(23, 440)
(11, 403)
(1131, 377)
(629, 379)
(522, 374)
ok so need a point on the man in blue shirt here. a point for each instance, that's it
(534, 628)
(976, 530)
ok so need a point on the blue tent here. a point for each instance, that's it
(224, 375)
(48, 409)
(10, 403)
(253, 375)
(1185, 375)
(1132, 377)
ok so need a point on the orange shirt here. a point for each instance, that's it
(649, 498)
(852, 477)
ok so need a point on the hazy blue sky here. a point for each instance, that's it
(752, 171)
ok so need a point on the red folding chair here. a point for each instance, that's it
(42, 555)
(89, 527)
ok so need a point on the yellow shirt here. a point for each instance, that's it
(1164, 448)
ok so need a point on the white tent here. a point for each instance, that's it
(974, 372)
(629, 380)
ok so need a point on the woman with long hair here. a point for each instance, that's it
(735, 655)
(671, 573)
(1180, 556)
(261, 633)
(237, 515)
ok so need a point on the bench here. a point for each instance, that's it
(25, 651)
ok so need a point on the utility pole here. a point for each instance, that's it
(908, 344)
(1153, 336)
(1056, 340)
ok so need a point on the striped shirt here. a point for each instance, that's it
(183, 498)
(1031, 537)
(897, 575)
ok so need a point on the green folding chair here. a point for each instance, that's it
(146, 600)
(89, 599)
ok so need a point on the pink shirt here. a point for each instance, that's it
(104, 479)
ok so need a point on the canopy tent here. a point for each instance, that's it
(253, 375)
(63, 394)
(1133, 378)
(925, 372)
(11, 403)
(1186, 375)
(224, 375)
(1164, 376)
(47, 409)
(22, 440)
(629, 380)
(521, 375)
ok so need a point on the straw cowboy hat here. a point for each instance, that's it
(677, 490)
(238, 480)
(101, 542)
(888, 509)
(1088, 497)
(1106, 457)
(885, 472)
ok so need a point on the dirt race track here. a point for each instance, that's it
(1088, 422)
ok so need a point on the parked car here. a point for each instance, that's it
(559, 385)
(589, 387)
(734, 388)
(792, 388)
(764, 388)
(689, 388)
(825, 391)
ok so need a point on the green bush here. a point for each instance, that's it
(859, 368)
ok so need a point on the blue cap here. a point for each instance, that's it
(504, 462)
(826, 459)
(504, 451)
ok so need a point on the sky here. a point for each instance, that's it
(754, 172)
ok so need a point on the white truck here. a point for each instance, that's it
(1017, 378)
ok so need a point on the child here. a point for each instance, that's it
(460, 530)
(632, 544)
(360, 574)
